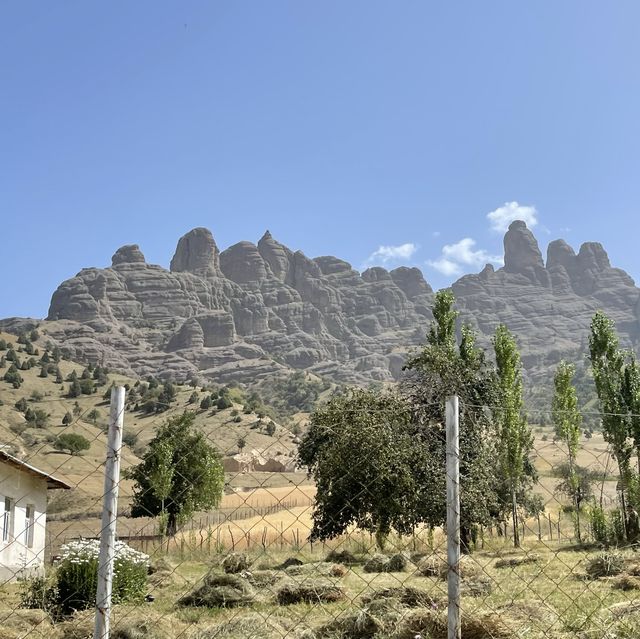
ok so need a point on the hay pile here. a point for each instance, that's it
(345, 557)
(605, 564)
(220, 591)
(437, 566)
(245, 626)
(626, 582)
(405, 595)
(318, 568)
(261, 578)
(380, 618)
(382, 563)
(309, 591)
(27, 623)
(514, 562)
(235, 562)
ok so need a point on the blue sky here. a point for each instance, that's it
(379, 132)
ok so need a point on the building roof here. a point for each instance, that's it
(52, 482)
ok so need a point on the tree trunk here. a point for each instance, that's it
(466, 539)
(514, 516)
(172, 525)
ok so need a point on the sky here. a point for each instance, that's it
(385, 133)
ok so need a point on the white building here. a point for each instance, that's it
(23, 514)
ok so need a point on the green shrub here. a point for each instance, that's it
(224, 402)
(72, 442)
(77, 575)
(39, 593)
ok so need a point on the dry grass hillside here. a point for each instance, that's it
(32, 433)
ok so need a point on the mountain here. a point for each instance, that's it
(255, 310)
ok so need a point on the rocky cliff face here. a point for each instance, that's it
(254, 310)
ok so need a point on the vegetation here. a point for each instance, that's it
(179, 474)
(567, 421)
(71, 442)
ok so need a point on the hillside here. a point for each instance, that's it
(30, 432)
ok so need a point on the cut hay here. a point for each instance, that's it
(318, 568)
(605, 564)
(433, 624)
(345, 557)
(406, 596)
(27, 623)
(288, 562)
(380, 618)
(432, 566)
(261, 578)
(245, 626)
(626, 582)
(476, 586)
(514, 562)
(436, 566)
(235, 562)
(162, 573)
(220, 591)
(309, 591)
(382, 563)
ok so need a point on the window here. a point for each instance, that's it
(30, 525)
(7, 519)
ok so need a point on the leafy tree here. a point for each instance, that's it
(58, 376)
(87, 386)
(271, 428)
(197, 477)
(22, 405)
(166, 397)
(75, 390)
(67, 419)
(72, 442)
(94, 416)
(43, 372)
(36, 418)
(3, 345)
(361, 454)
(567, 421)
(206, 403)
(241, 443)
(608, 366)
(12, 376)
(577, 483)
(77, 410)
(514, 435)
(193, 398)
(224, 402)
(440, 368)
(34, 336)
(12, 356)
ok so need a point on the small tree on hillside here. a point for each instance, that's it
(567, 421)
(196, 480)
(71, 442)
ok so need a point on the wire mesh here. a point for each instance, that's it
(249, 567)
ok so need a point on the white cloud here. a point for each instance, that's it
(385, 254)
(504, 215)
(455, 257)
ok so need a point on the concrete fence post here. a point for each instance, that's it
(109, 514)
(453, 517)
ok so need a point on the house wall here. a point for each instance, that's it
(25, 489)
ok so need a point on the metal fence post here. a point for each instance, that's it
(109, 514)
(453, 517)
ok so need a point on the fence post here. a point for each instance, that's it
(109, 514)
(453, 518)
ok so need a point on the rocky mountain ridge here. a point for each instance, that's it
(255, 310)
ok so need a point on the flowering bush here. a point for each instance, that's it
(77, 574)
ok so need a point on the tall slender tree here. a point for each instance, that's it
(608, 365)
(567, 421)
(514, 435)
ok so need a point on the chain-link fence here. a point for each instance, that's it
(557, 565)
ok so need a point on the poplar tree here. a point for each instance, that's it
(608, 365)
(567, 421)
(514, 435)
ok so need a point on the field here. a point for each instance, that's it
(269, 516)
